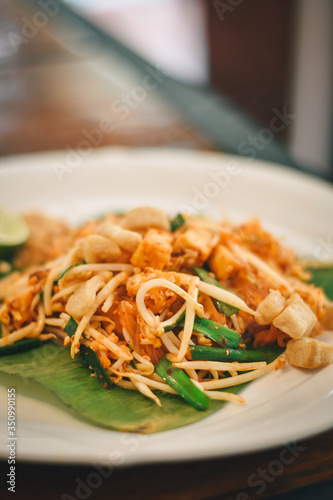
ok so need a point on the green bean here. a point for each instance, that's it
(182, 384)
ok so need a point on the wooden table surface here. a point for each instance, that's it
(245, 477)
(48, 97)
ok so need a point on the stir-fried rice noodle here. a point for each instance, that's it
(135, 297)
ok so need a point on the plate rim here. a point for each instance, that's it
(14, 164)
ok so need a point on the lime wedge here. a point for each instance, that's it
(14, 231)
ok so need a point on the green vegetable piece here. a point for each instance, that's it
(219, 333)
(179, 322)
(20, 346)
(62, 273)
(323, 277)
(207, 277)
(14, 231)
(177, 222)
(129, 411)
(132, 362)
(182, 384)
(71, 327)
(90, 359)
(206, 353)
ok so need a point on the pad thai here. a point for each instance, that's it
(183, 305)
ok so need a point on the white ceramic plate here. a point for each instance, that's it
(281, 407)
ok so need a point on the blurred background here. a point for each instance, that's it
(250, 77)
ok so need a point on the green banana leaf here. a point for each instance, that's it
(323, 277)
(116, 408)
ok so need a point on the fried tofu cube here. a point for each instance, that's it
(154, 250)
(296, 320)
(97, 248)
(270, 307)
(196, 245)
(223, 263)
(125, 239)
(141, 217)
(309, 353)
